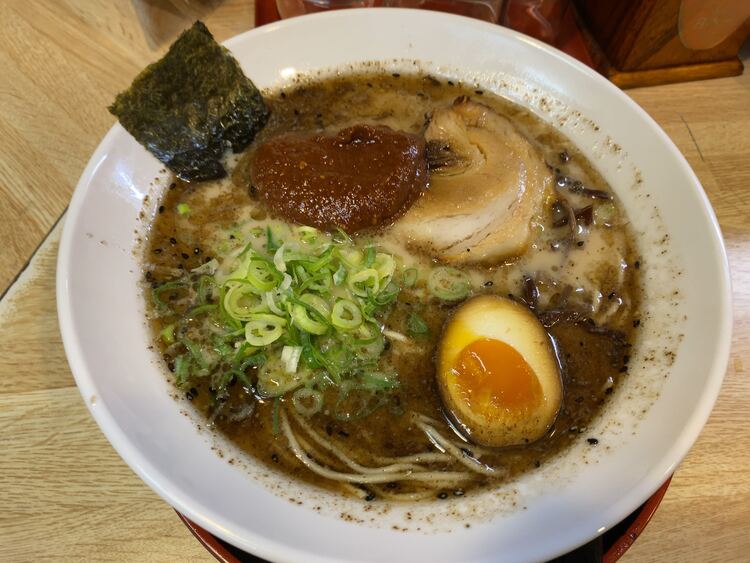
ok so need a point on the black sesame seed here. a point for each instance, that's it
(537, 463)
(623, 369)
(283, 95)
(157, 250)
(343, 433)
(450, 83)
(193, 391)
(148, 276)
(637, 264)
(611, 296)
(579, 243)
(564, 156)
(609, 390)
(161, 209)
(185, 256)
(636, 323)
(196, 250)
(459, 493)
(189, 396)
(173, 240)
(625, 359)
(396, 75)
(172, 186)
(391, 485)
(275, 458)
(370, 497)
(442, 495)
(489, 283)
(479, 92)
(593, 441)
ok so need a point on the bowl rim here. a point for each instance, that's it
(263, 547)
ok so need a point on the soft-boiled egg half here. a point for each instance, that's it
(498, 374)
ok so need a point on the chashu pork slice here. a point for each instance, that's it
(487, 182)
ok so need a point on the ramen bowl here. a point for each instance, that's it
(676, 367)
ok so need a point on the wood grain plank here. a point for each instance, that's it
(66, 494)
(62, 64)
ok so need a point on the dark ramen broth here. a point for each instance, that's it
(593, 353)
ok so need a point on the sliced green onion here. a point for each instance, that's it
(448, 284)
(364, 283)
(183, 208)
(351, 258)
(156, 293)
(241, 301)
(278, 259)
(301, 318)
(380, 380)
(201, 309)
(263, 329)
(223, 349)
(274, 381)
(339, 276)
(290, 356)
(320, 282)
(323, 260)
(271, 245)
(306, 313)
(271, 302)
(308, 234)
(387, 294)
(205, 288)
(195, 352)
(182, 369)
(346, 315)
(409, 277)
(262, 274)
(167, 334)
(369, 259)
(208, 268)
(286, 282)
(318, 303)
(307, 402)
(416, 326)
(385, 266)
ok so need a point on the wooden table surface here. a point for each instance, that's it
(66, 495)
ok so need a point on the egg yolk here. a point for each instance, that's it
(491, 374)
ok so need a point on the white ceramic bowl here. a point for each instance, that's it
(645, 431)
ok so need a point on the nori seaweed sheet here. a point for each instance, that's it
(187, 107)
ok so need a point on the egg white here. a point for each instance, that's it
(499, 318)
